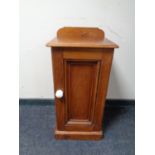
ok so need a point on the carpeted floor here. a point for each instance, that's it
(36, 133)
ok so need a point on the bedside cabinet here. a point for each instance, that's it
(82, 59)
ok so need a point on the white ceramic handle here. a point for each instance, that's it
(59, 93)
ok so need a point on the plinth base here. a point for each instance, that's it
(79, 135)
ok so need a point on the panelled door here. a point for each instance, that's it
(81, 71)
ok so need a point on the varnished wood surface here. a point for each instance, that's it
(58, 77)
(81, 37)
(81, 79)
(74, 135)
(83, 75)
(80, 34)
(81, 69)
(88, 44)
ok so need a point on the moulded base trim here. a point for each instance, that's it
(79, 135)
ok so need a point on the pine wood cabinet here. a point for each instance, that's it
(82, 59)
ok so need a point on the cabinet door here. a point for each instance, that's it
(78, 73)
(81, 72)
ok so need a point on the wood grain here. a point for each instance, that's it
(81, 86)
(74, 135)
(106, 43)
(80, 33)
(81, 68)
(81, 37)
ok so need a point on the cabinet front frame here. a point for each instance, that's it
(103, 57)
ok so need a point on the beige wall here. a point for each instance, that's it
(39, 21)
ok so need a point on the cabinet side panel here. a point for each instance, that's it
(107, 57)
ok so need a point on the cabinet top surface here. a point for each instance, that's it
(81, 37)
